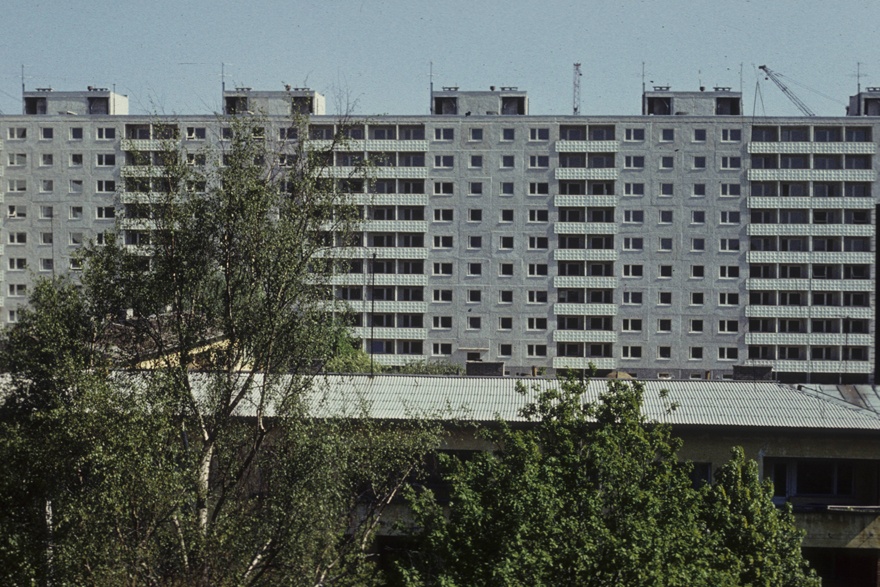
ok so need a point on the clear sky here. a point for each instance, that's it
(167, 54)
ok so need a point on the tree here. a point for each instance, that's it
(164, 476)
(590, 494)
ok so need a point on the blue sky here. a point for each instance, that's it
(167, 54)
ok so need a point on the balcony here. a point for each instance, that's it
(585, 309)
(843, 203)
(810, 230)
(563, 146)
(865, 313)
(584, 336)
(850, 148)
(801, 257)
(585, 255)
(365, 332)
(604, 363)
(811, 175)
(585, 228)
(810, 284)
(812, 338)
(607, 173)
(562, 200)
(569, 281)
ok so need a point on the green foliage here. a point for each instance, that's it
(591, 494)
(426, 367)
(203, 469)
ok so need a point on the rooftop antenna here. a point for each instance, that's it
(858, 77)
(576, 98)
(431, 86)
(22, 78)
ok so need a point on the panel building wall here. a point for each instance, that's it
(675, 244)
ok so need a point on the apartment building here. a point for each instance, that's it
(691, 241)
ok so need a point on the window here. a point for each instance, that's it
(633, 270)
(17, 264)
(444, 161)
(539, 134)
(539, 188)
(696, 326)
(633, 244)
(76, 160)
(507, 161)
(75, 186)
(443, 214)
(46, 238)
(728, 326)
(665, 244)
(537, 269)
(441, 349)
(537, 296)
(47, 133)
(728, 353)
(665, 216)
(634, 189)
(46, 160)
(664, 325)
(16, 160)
(442, 295)
(475, 188)
(46, 212)
(17, 238)
(505, 242)
(441, 322)
(664, 298)
(632, 325)
(505, 269)
(698, 271)
(197, 133)
(667, 162)
(105, 212)
(17, 133)
(699, 190)
(442, 268)
(699, 135)
(696, 353)
(538, 215)
(536, 324)
(728, 272)
(731, 162)
(731, 135)
(47, 185)
(506, 215)
(729, 245)
(17, 290)
(632, 298)
(475, 269)
(106, 159)
(444, 134)
(505, 323)
(634, 216)
(539, 161)
(699, 163)
(76, 213)
(698, 244)
(730, 190)
(631, 352)
(536, 350)
(667, 190)
(697, 298)
(634, 134)
(476, 161)
(538, 242)
(730, 217)
(106, 133)
(443, 188)
(663, 353)
(106, 186)
(508, 134)
(16, 212)
(474, 322)
(505, 350)
(507, 188)
(667, 134)
(17, 185)
(442, 242)
(476, 134)
(728, 299)
(634, 162)
(665, 271)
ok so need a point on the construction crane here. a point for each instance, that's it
(576, 100)
(788, 93)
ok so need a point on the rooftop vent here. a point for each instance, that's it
(721, 88)
(873, 89)
(97, 89)
(450, 88)
(661, 88)
(44, 89)
(509, 88)
(243, 89)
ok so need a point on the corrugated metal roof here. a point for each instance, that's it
(704, 403)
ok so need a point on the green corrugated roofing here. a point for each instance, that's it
(699, 403)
